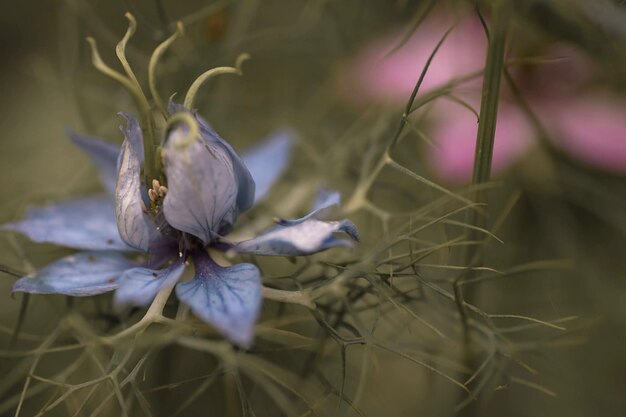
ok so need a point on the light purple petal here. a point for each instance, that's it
(299, 237)
(203, 189)
(139, 286)
(132, 132)
(133, 223)
(245, 182)
(82, 224)
(103, 154)
(267, 161)
(82, 274)
(227, 298)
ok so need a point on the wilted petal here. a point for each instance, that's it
(139, 286)
(82, 224)
(227, 298)
(86, 273)
(299, 237)
(103, 154)
(203, 189)
(133, 223)
(267, 161)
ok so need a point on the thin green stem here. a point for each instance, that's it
(409, 104)
(485, 139)
(130, 82)
(193, 89)
(154, 61)
(120, 50)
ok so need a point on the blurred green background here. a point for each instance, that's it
(563, 210)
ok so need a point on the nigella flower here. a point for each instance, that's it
(207, 186)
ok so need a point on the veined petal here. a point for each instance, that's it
(82, 224)
(245, 182)
(133, 223)
(103, 154)
(246, 187)
(82, 274)
(267, 161)
(132, 132)
(299, 237)
(139, 286)
(203, 188)
(227, 298)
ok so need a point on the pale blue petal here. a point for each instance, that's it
(299, 237)
(136, 227)
(132, 132)
(326, 198)
(202, 184)
(82, 274)
(103, 154)
(139, 286)
(134, 224)
(227, 298)
(267, 161)
(82, 224)
(245, 182)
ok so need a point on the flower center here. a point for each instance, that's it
(156, 194)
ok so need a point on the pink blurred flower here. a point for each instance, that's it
(589, 128)
(451, 156)
(378, 74)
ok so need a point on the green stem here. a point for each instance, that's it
(193, 89)
(129, 81)
(485, 139)
(154, 60)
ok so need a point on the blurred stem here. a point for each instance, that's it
(482, 162)
(291, 297)
(20, 321)
(153, 315)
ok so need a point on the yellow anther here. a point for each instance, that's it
(153, 195)
(162, 191)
